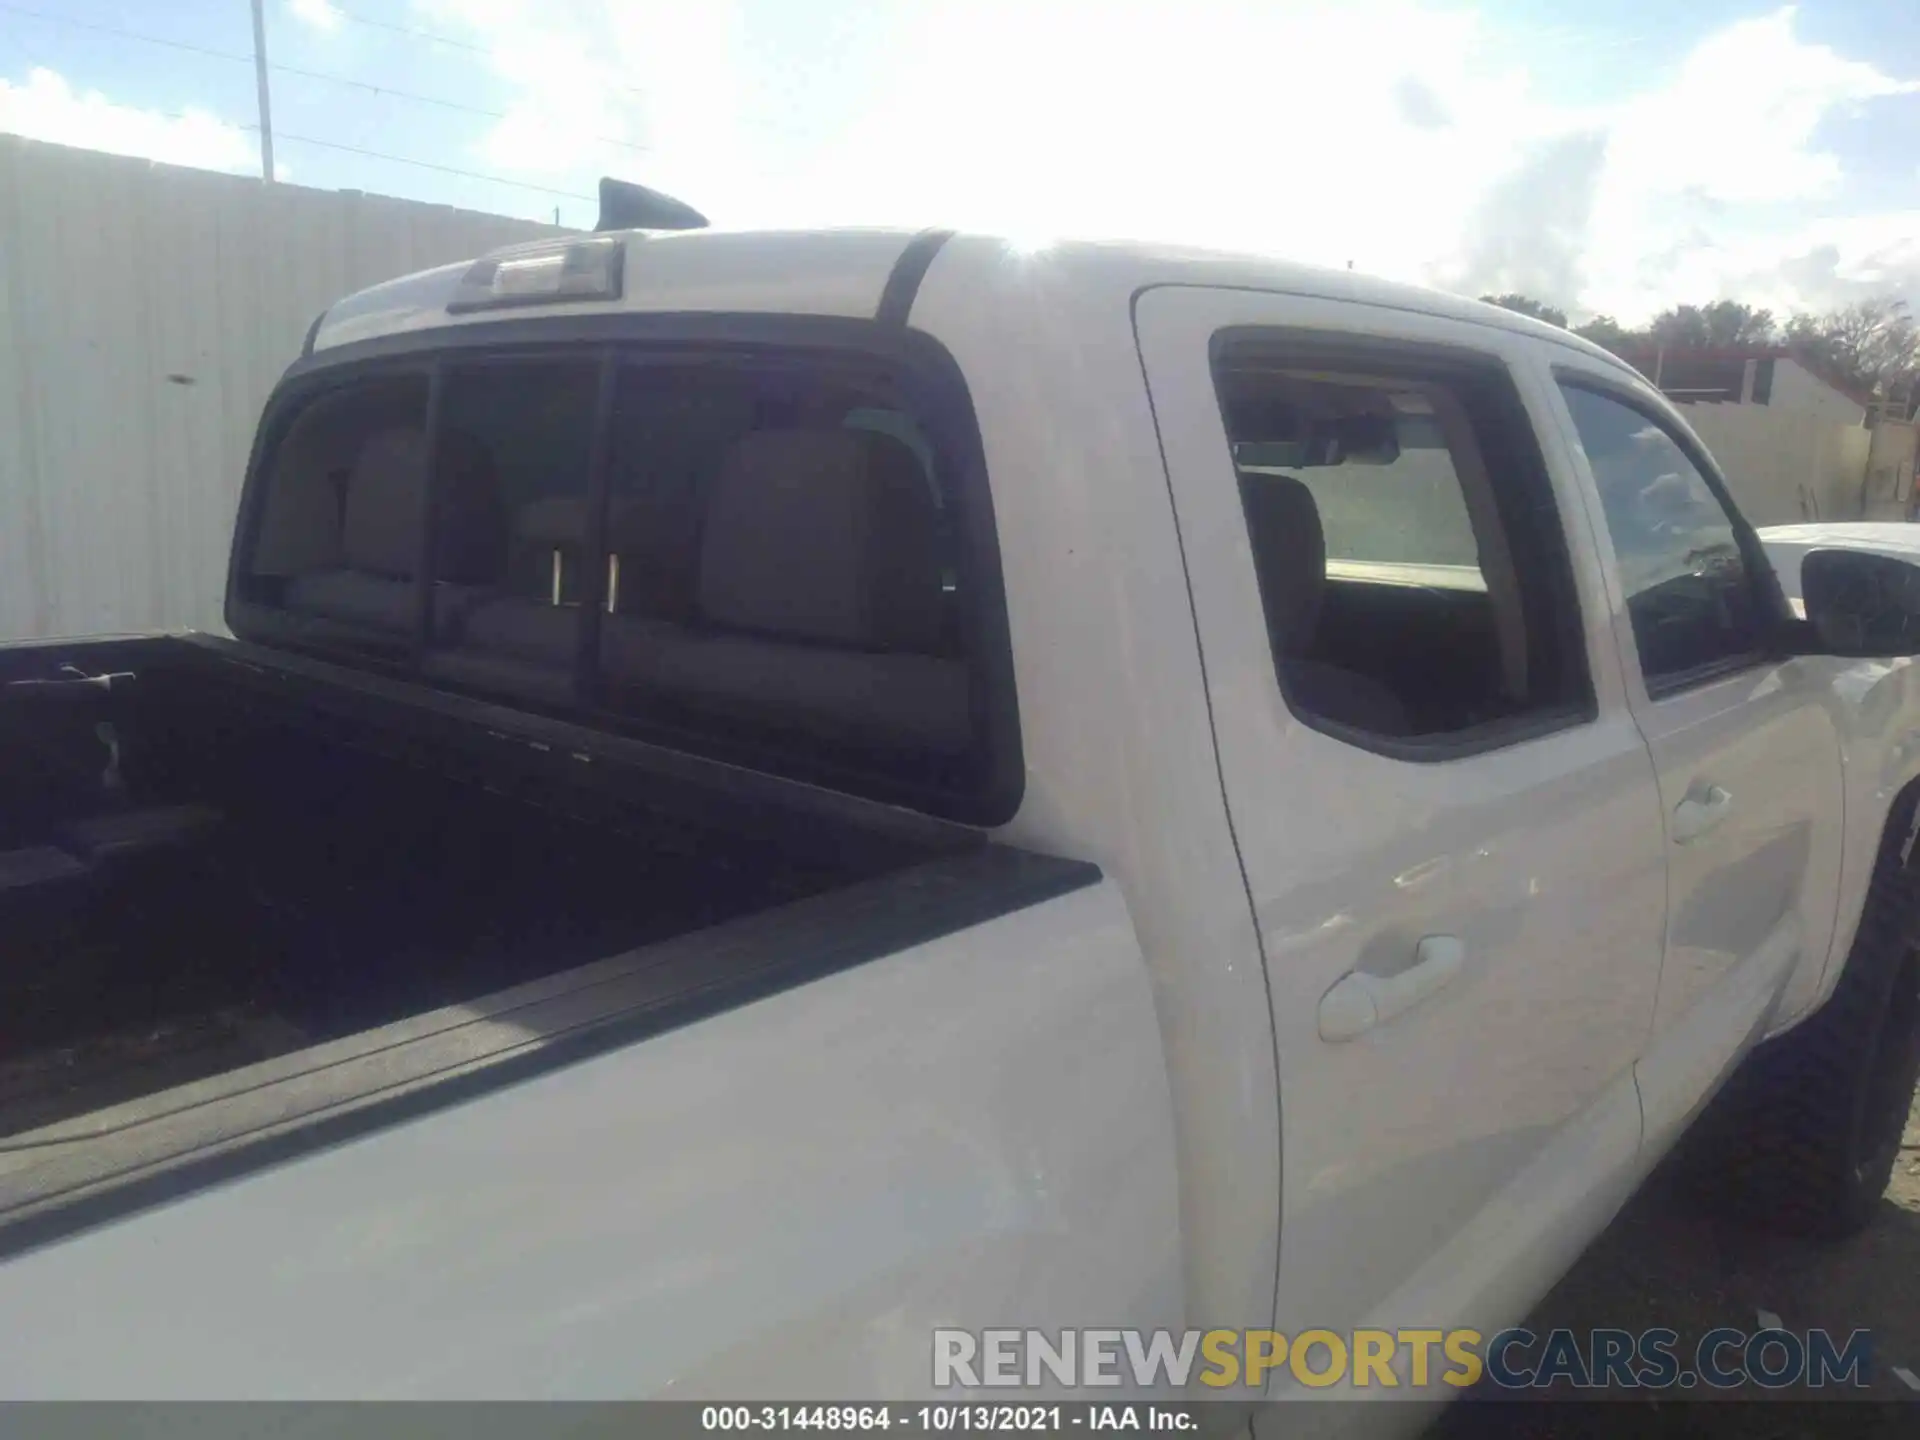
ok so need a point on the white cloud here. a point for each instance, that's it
(317, 13)
(570, 91)
(1699, 171)
(46, 107)
(1828, 263)
(1183, 123)
(1416, 141)
(1737, 122)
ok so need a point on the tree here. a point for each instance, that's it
(1609, 334)
(1729, 323)
(1524, 305)
(1723, 324)
(1684, 327)
(1872, 346)
(1868, 348)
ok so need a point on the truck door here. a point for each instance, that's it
(1745, 748)
(1446, 817)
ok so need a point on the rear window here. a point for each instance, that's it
(337, 534)
(766, 557)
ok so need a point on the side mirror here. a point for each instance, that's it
(1860, 604)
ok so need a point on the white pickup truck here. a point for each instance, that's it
(773, 793)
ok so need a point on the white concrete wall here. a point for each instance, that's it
(1799, 391)
(145, 313)
(1890, 470)
(1785, 465)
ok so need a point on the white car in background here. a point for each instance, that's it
(1787, 546)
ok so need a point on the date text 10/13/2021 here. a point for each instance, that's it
(941, 1419)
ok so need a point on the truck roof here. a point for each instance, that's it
(845, 273)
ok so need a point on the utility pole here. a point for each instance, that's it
(260, 79)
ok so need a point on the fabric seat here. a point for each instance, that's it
(380, 537)
(528, 626)
(1290, 560)
(819, 601)
(520, 629)
(533, 629)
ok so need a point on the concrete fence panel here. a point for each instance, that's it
(145, 313)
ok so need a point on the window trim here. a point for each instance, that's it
(586, 630)
(1546, 555)
(426, 563)
(945, 410)
(1770, 602)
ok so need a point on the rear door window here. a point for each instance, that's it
(1377, 503)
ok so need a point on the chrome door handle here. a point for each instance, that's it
(1359, 1001)
(1701, 811)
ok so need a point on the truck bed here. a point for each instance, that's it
(220, 867)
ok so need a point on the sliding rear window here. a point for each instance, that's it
(777, 557)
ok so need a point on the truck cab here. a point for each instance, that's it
(1399, 802)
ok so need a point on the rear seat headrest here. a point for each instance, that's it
(471, 546)
(558, 521)
(824, 535)
(561, 520)
(380, 530)
(635, 526)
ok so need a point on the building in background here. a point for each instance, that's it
(1747, 375)
(145, 313)
(1793, 446)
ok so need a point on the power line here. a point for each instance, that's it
(320, 75)
(126, 34)
(459, 105)
(433, 38)
(427, 165)
(251, 128)
(409, 30)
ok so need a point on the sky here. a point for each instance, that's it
(1605, 156)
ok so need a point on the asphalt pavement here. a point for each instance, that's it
(1663, 1263)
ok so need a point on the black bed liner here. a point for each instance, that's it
(500, 745)
(261, 1094)
(80, 1173)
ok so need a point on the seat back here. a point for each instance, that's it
(827, 536)
(383, 505)
(819, 601)
(380, 533)
(1289, 555)
(1290, 562)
